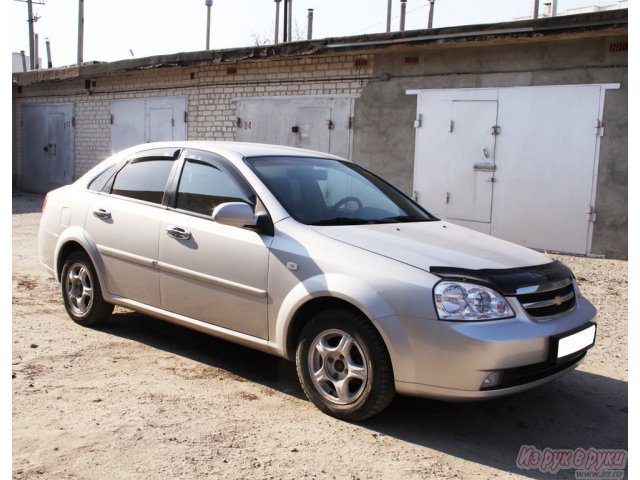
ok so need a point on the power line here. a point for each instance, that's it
(384, 23)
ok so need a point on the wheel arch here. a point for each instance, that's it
(325, 292)
(73, 240)
(308, 310)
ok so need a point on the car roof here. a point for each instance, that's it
(243, 149)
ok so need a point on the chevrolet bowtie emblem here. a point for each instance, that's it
(557, 300)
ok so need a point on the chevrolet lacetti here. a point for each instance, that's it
(315, 259)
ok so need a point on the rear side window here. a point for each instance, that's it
(98, 183)
(144, 178)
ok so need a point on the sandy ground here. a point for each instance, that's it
(139, 398)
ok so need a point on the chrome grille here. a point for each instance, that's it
(548, 299)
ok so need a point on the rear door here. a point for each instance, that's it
(124, 220)
(208, 271)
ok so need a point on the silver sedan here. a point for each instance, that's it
(313, 258)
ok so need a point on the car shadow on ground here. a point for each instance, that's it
(244, 362)
(579, 410)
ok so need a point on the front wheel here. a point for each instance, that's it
(81, 291)
(343, 365)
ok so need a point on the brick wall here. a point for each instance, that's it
(212, 92)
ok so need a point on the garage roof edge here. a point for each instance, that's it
(596, 21)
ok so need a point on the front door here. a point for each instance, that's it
(208, 271)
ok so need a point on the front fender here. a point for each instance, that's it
(349, 289)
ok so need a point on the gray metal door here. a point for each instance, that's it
(471, 161)
(160, 124)
(454, 175)
(547, 151)
(144, 120)
(531, 179)
(313, 122)
(48, 156)
(264, 121)
(314, 128)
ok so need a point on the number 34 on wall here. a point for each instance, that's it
(247, 125)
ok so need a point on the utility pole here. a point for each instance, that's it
(290, 20)
(49, 64)
(310, 24)
(285, 21)
(403, 13)
(431, 8)
(208, 3)
(36, 51)
(275, 39)
(536, 8)
(389, 15)
(31, 20)
(80, 31)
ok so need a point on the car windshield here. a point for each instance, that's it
(320, 191)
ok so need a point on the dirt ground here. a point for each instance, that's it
(140, 398)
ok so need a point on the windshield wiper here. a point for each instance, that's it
(406, 218)
(342, 221)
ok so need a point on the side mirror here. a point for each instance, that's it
(235, 214)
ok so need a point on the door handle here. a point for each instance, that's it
(101, 213)
(484, 167)
(179, 233)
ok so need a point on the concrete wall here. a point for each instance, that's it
(384, 137)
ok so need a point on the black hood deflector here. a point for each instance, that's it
(508, 280)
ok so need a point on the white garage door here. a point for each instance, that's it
(144, 120)
(312, 122)
(519, 163)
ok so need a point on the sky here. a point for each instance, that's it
(121, 29)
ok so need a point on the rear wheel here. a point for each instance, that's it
(343, 365)
(81, 291)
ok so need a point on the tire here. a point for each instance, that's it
(81, 291)
(343, 365)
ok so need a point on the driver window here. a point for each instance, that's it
(204, 186)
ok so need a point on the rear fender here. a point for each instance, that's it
(77, 235)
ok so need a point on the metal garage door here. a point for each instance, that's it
(48, 155)
(144, 120)
(519, 163)
(315, 123)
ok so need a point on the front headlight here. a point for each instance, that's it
(467, 301)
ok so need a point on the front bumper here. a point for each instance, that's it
(453, 360)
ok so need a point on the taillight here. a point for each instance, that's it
(44, 203)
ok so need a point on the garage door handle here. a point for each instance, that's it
(484, 167)
(179, 233)
(102, 213)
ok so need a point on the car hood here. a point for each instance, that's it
(437, 243)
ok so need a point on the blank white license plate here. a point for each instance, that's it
(576, 342)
